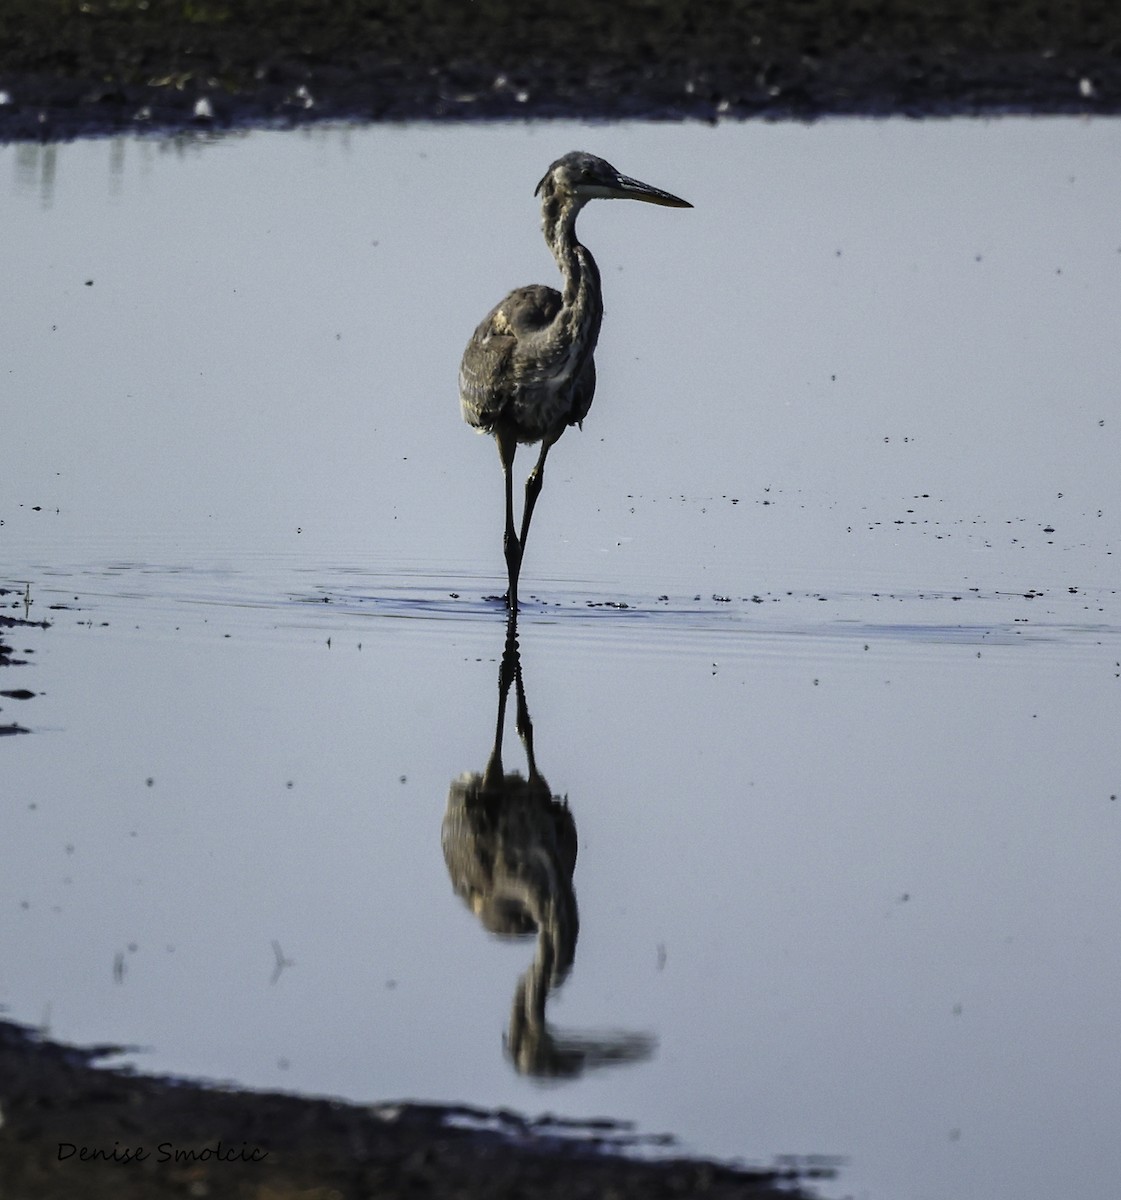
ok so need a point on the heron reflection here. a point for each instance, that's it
(510, 847)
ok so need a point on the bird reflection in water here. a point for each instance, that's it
(510, 849)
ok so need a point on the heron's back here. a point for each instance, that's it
(525, 368)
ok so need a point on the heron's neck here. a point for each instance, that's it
(581, 275)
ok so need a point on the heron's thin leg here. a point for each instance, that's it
(509, 669)
(511, 544)
(525, 725)
(534, 482)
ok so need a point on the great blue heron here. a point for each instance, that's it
(528, 372)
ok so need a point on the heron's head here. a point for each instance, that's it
(579, 177)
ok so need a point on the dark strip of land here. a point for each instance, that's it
(70, 68)
(72, 1129)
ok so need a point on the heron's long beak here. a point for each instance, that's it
(634, 189)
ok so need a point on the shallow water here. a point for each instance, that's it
(821, 634)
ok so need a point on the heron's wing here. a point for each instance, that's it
(484, 375)
(493, 370)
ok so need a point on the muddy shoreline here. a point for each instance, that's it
(70, 69)
(71, 1129)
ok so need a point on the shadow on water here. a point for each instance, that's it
(510, 846)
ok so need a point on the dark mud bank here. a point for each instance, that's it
(72, 1129)
(72, 68)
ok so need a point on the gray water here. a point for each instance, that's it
(821, 636)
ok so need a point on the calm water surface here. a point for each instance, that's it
(821, 643)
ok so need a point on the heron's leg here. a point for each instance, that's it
(525, 725)
(507, 672)
(535, 480)
(511, 544)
